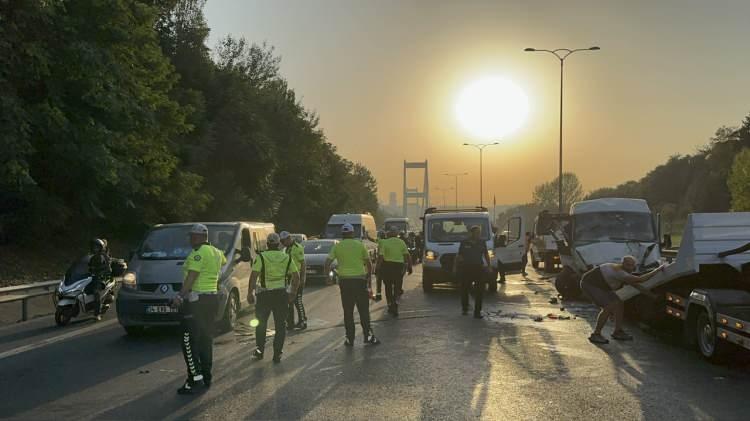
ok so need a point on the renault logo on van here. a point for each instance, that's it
(164, 288)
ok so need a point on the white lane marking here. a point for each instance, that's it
(55, 339)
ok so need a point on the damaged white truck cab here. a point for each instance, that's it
(603, 231)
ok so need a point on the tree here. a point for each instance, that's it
(739, 182)
(546, 195)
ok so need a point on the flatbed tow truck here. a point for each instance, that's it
(707, 288)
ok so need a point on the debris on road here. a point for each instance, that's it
(538, 318)
(553, 300)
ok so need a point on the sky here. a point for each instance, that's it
(385, 75)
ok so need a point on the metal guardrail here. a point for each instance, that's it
(17, 293)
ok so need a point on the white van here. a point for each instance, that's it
(364, 229)
(401, 224)
(445, 229)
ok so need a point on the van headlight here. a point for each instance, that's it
(431, 255)
(128, 280)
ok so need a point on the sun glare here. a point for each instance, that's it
(491, 108)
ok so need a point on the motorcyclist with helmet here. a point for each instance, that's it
(100, 270)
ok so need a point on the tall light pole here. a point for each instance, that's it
(443, 190)
(561, 54)
(481, 147)
(456, 175)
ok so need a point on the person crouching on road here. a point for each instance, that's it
(297, 253)
(271, 270)
(471, 271)
(393, 255)
(355, 282)
(198, 302)
(600, 284)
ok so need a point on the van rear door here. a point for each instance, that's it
(511, 254)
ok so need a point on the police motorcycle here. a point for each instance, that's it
(71, 298)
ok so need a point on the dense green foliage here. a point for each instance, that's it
(695, 183)
(115, 115)
(739, 182)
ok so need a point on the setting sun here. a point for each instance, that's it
(491, 108)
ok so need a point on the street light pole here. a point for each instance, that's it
(561, 54)
(481, 147)
(456, 175)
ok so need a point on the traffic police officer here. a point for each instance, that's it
(297, 252)
(470, 269)
(355, 282)
(269, 279)
(392, 256)
(198, 303)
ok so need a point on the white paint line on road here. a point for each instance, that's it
(55, 339)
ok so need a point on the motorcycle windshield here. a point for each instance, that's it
(79, 270)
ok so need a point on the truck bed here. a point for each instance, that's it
(705, 235)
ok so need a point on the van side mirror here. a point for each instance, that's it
(667, 241)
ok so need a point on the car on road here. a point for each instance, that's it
(316, 253)
(155, 273)
(400, 224)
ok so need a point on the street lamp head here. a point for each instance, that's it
(496, 143)
(529, 49)
(466, 144)
(594, 48)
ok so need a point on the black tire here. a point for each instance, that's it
(534, 262)
(63, 316)
(134, 331)
(567, 285)
(426, 283)
(230, 312)
(549, 263)
(707, 343)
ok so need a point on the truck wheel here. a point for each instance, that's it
(566, 283)
(709, 345)
(426, 282)
(549, 263)
(230, 312)
(534, 262)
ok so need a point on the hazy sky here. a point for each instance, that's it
(384, 76)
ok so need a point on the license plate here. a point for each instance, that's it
(160, 309)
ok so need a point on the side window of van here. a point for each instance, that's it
(245, 240)
(258, 244)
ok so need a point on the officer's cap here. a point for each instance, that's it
(199, 229)
(284, 235)
(274, 238)
(347, 228)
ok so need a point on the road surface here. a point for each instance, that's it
(433, 363)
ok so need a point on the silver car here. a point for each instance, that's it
(316, 253)
(155, 273)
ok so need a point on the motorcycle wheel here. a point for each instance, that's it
(63, 316)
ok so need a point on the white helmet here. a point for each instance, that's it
(273, 238)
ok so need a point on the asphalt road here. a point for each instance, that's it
(433, 363)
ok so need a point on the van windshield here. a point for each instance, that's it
(334, 230)
(401, 226)
(173, 243)
(455, 229)
(614, 226)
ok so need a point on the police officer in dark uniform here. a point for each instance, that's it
(100, 270)
(471, 270)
